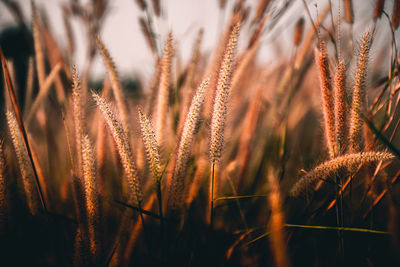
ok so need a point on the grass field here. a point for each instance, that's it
(223, 160)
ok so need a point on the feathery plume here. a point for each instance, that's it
(327, 168)
(221, 97)
(24, 164)
(150, 143)
(276, 229)
(348, 11)
(124, 148)
(340, 109)
(115, 85)
(321, 58)
(358, 101)
(184, 147)
(78, 117)
(91, 194)
(163, 90)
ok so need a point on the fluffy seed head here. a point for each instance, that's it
(321, 58)
(358, 101)
(124, 148)
(340, 109)
(221, 96)
(24, 164)
(184, 147)
(163, 90)
(91, 194)
(327, 168)
(150, 143)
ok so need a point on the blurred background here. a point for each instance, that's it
(122, 35)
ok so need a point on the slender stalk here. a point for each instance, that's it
(212, 194)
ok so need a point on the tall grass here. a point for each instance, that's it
(222, 158)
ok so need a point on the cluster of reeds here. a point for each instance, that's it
(200, 164)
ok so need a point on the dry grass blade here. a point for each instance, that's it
(276, 224)
(328, 168)
(43, 92)
(298, 33)
(21, 127)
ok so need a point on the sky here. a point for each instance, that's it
(122, 35)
